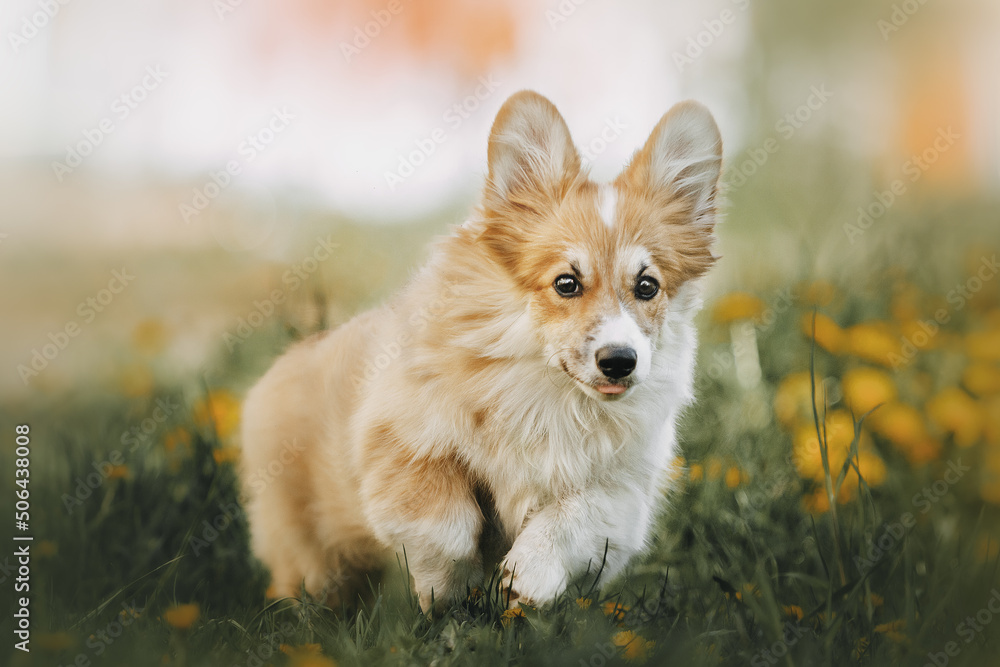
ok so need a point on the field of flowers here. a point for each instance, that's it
(836, 503)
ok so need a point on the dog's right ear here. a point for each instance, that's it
(530, 150)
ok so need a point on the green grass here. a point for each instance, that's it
(717, 586)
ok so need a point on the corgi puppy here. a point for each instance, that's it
(518, 400)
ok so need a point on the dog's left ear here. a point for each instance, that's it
(681, 160)
(530, 149)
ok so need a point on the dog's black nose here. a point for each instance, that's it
(616, 362)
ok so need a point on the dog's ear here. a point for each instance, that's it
(530, 149)
(681, 160)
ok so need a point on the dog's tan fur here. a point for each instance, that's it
(475, 390)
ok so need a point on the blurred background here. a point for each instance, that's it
(205, 146)
(188, 187)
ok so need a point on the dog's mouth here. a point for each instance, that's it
(608, 389)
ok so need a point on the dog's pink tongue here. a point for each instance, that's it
(611, 389)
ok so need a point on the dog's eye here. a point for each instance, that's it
(646, 288)
(567, 285)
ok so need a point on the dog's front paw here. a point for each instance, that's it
(531, 577)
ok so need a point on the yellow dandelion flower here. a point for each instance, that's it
(873, 341)
(990, 491)
(583, 603)
(829, 335)
(733, 477)
(697, 472)
(614, 610)
(177, 440)
(150, 336)
(793, 399)
(301, 650)
(714, 468)
(510, 615)
(182, 616)
(737, 306)
(923, 452)
(219, 410)
(634, 647)
(893, 630)
(130, 613)
(839, 436)
(872, 469)
(676, 469)
(956, 412)
(749, 590)
(312, 661)
(47, 548)
(816, 502)
(899, 423)
(818, 293)
(983, 345)
(916, 333)
(226, 455)
(988, 549)
(982, 379)
(55, 641)
(861, 647)
(793, 611)
(118, 472)
(991, 424)
(865, 387)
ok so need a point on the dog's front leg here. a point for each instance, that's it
(596, 529)
(425, 508)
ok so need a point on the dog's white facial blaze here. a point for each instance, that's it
(621, 330)
(608, 205)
